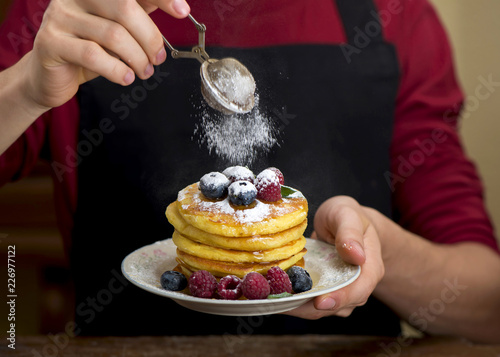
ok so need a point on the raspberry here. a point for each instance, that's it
(229, 287)
(242, 193)
(202, 284)
(279, 174)
(239, 173)
(300, 278)
(214, 185)
(254, 286)
(268, 186)
(278, 281)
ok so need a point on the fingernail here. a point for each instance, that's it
(161, 56)
(181, 7)
(129, 77)
(149, 70)
(327, 304)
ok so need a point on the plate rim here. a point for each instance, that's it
(175, 295)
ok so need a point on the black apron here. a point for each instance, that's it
(334, 107)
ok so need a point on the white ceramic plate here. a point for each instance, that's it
(145, 266)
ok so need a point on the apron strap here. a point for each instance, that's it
(361, 21)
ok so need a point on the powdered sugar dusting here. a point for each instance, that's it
(267, 177)
(236, 173)
(239, 187)
(296, 194)
(182, 195)
(258, 212)
(234, 82)
(214, 178)
(248, 215)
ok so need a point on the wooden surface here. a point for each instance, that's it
(243, 346)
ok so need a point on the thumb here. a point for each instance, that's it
(340, 221)
(176, 8)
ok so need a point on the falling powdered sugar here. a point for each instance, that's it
(239, 138)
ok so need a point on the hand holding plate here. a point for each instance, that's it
(341, 221)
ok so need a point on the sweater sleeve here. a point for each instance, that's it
(17, 33)
(437, 192)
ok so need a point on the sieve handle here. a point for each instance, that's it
(197, 52)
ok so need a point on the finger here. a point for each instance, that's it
(357, 293)
(340, 221)
(343, 301)
(92, 57)
(130, 15)
(308, 311)
(117, 39)
(147, 6)
(349, 237)
(340, 303)
(176, 8)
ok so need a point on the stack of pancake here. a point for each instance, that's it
(224, 239)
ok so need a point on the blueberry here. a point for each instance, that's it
(300, 278)
(242, 193)
(239, 173)
(214, 185)
(173, 280)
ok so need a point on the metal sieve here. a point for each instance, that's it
(226, 84)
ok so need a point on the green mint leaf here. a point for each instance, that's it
(287, 191)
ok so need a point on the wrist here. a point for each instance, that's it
(29, 92)
(18, 108)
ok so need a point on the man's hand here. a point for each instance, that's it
(79, 40)
(342, 221)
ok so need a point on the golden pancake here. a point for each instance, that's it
(222, 218)
(227, 255)
(253, 243)
(221, 269)
(184, 269)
